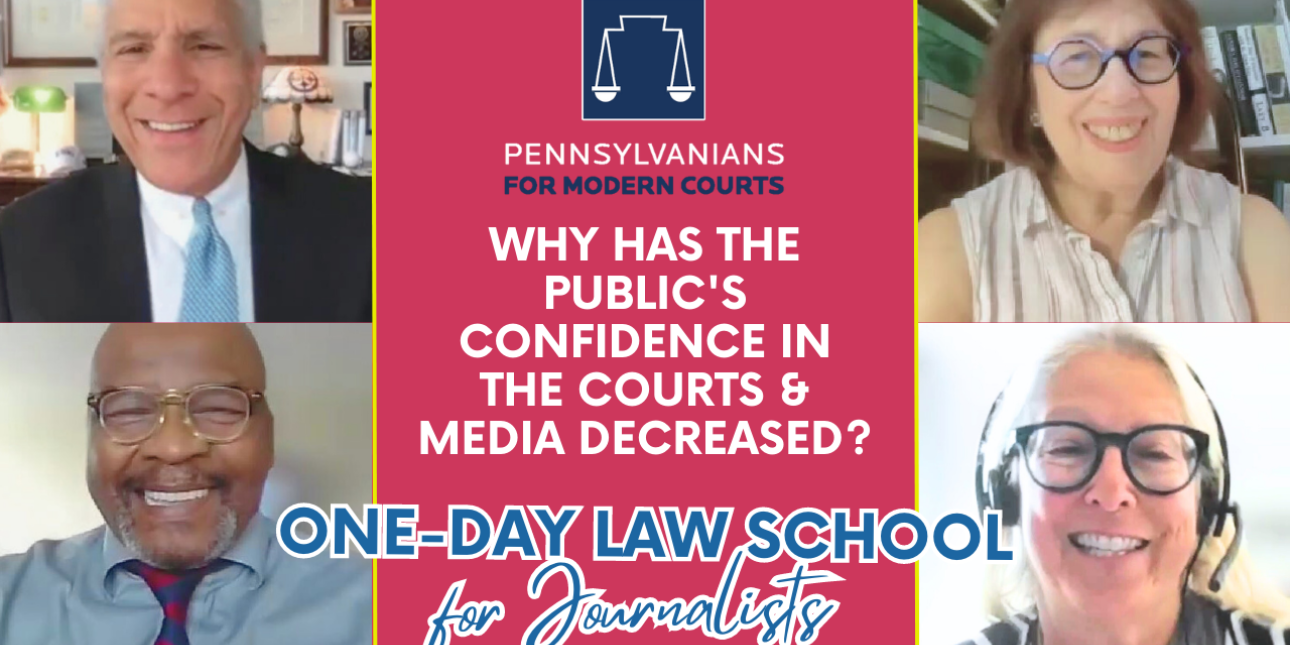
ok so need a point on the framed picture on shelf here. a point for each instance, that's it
(367, 105)
(358, 42)
(354, 6)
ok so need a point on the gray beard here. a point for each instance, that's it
(170, 561)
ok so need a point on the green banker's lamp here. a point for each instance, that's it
(38, 100)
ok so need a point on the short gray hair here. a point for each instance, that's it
(252, 26)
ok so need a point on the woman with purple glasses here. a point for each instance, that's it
(1097, 106)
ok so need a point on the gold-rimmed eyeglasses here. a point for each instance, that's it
(215, 413)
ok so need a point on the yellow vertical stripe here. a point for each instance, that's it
(917, 574)
(372, 108)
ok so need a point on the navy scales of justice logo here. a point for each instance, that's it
(643, 60)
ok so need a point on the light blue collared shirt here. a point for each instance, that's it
(71, 592)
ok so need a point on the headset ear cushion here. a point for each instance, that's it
(1209, 510)
(1003, 497)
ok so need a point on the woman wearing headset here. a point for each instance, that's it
(1107, 465)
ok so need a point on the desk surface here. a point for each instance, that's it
(15, 184)
(26, 177)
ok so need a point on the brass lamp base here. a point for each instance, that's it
(295, 144)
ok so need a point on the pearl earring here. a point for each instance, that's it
(1034, 119)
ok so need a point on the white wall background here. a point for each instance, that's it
(319, 384)
(316, 120)
(962, 368)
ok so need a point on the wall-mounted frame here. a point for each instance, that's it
(358, 42)
(354, 6)
(50, 33)
(296, 32)
(63, 33)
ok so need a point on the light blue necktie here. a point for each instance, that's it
(210, 282)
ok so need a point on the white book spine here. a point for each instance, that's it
(1218, 67)
(1263, 113)
(1214, 53)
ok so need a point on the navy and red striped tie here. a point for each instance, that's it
(174, 591)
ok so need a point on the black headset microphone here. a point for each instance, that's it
(994, 493)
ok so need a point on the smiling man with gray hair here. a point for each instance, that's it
(198, 225)
(180, 445)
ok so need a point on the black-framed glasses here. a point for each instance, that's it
(215, 413)
(1077, 63)
(1063, 456)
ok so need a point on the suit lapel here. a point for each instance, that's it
(271, 254)
(123, 288)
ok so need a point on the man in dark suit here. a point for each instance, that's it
(198, 225)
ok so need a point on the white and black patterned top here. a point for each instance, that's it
(1180, 265)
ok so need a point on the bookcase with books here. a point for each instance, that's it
(1247, 47)
(951, 46)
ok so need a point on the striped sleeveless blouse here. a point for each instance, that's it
(1180, 265)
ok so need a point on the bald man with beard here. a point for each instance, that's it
(181, 442)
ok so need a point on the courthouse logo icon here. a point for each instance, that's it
(643, 60)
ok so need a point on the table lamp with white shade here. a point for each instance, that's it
(297, 86)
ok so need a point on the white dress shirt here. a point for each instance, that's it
(167, 223)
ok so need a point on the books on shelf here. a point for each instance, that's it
(1274, 54)
(935, 95)
(1258, 92)
(944, 110)
(1251, 62)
